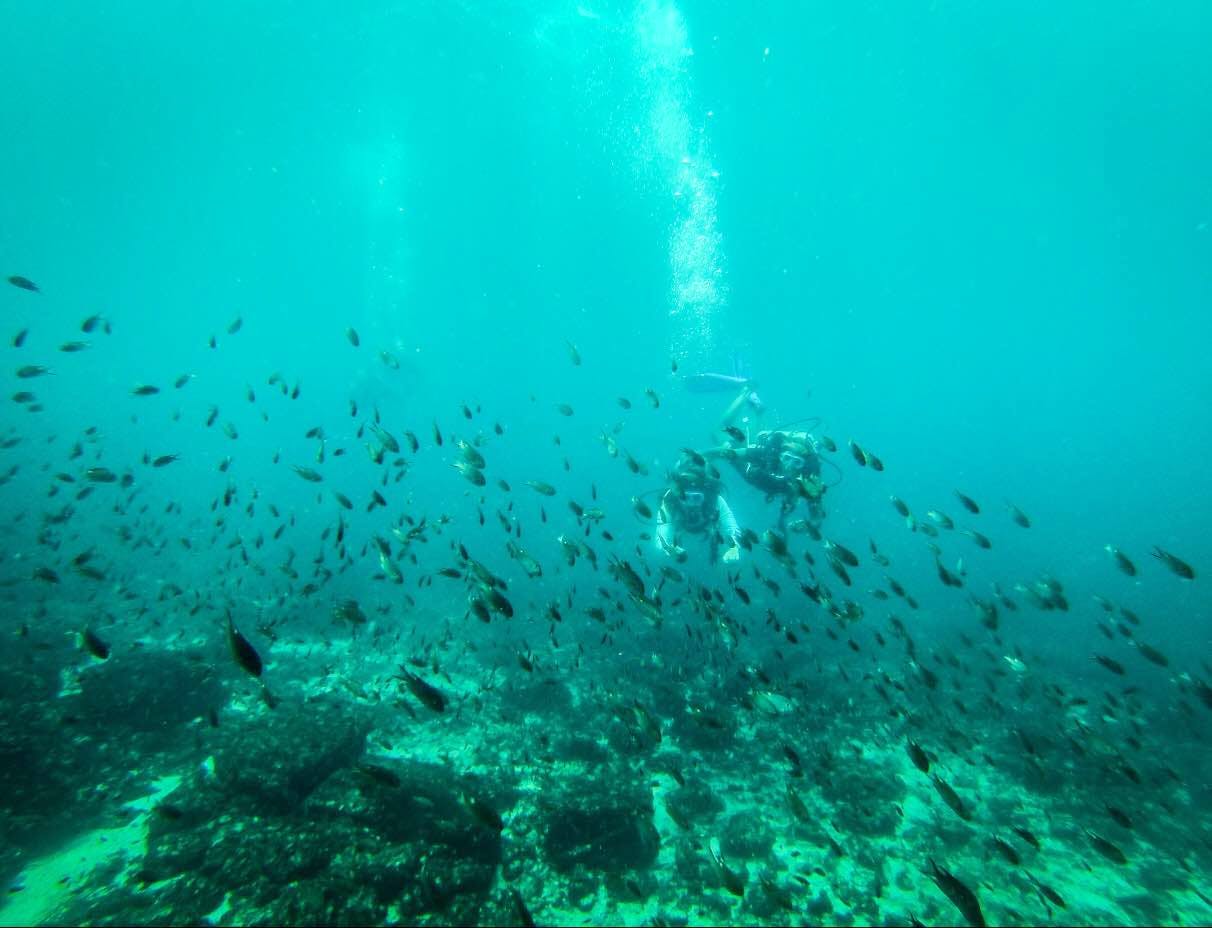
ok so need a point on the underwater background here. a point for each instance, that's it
(267, 262)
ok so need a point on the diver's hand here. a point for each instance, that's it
(732, 554)
(677, 552)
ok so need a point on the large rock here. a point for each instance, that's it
(365, 840)
(66, 761)
(271, 763)
(865, 797)
(146, 691)
(601, 823)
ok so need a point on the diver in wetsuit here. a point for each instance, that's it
(694, 504)
(785, 466)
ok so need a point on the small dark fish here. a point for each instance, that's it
(96, 647)
(828, 443)
(1047, 892)
(235, 325)
(343, 500)
(950, 796)
(1180, 567)
(947, 577)
(90, 324)
(798, 808)
(653, 398)
(1121, 560)
(73, 347)
(19, 338)
(624, 402)
(918, 756)
(573, 354)
(1026, 836)
(500, 603)
(733, 880)
(900, 506)
(431, 696)
(23, 283)
(941, 519)
(1019, 517)
(1008, 853)
(978, 539)
(968, 503)
(480, 610)
(859, 455)
(1119, 817)
(100, 475)
(735, 434)
(1106, 848)
(564, 409)
(307, 473)
(793, 758)
(1150, 653)
(842, 553)
(242, 650)
(484, 813)
(473, 474)
(182, 380)
(695, 458)
(164, 460)
(546, 489)
(1110, 663)
(145, 389)
(437, 434)
(960, 895)
(32, 370)
(352, 334)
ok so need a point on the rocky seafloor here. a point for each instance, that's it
(721, 797)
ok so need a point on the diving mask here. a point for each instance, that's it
(791, 462)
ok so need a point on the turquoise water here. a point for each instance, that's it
(974, 240)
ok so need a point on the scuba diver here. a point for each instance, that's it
(783, 465)
(693, 503)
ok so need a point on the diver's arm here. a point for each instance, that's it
(725, 451)
(727, 521)
(735, 406)
(729, 529)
